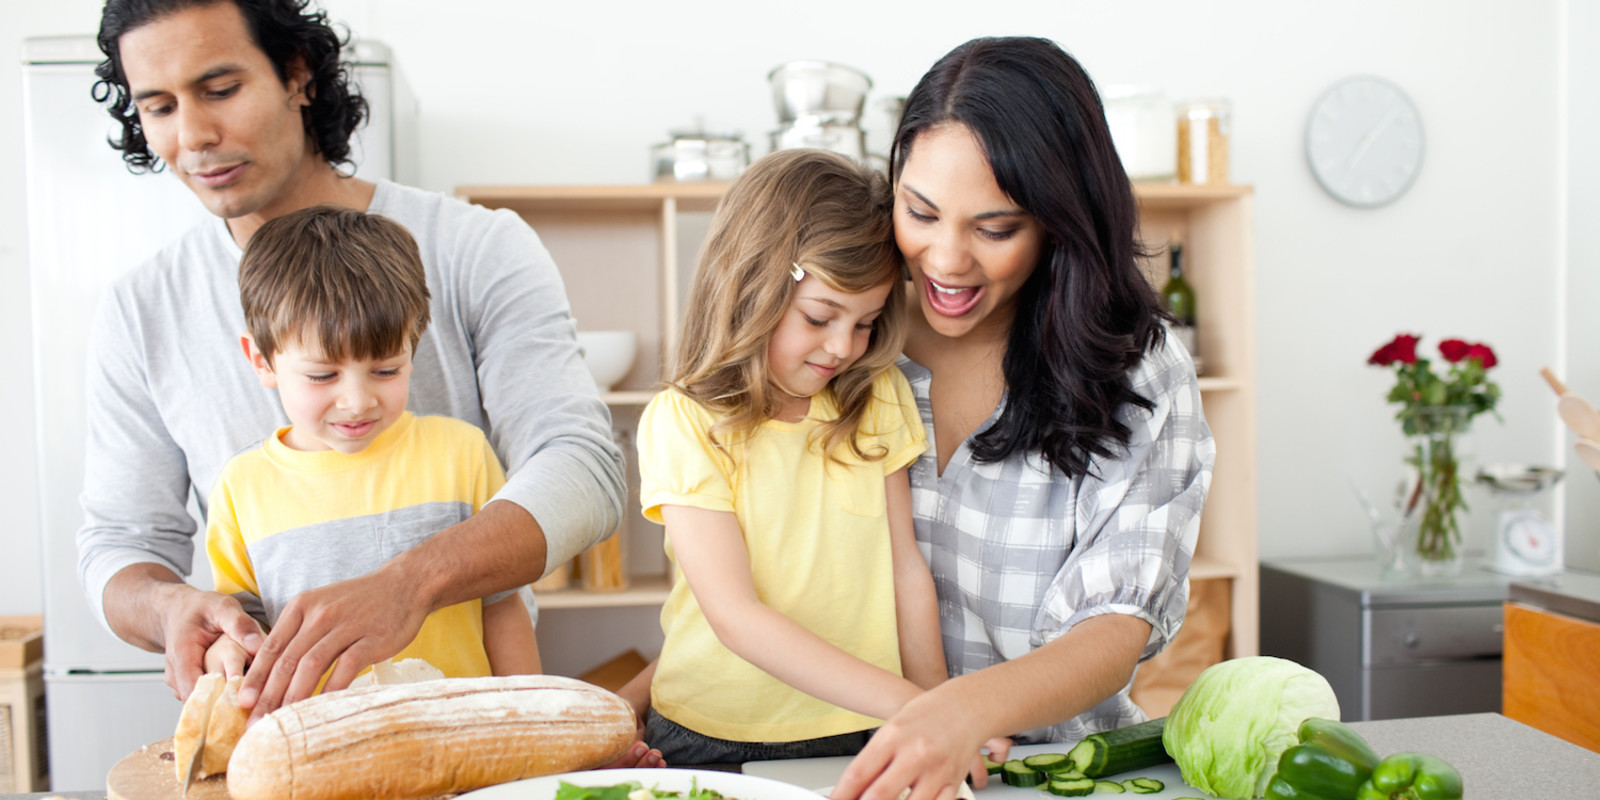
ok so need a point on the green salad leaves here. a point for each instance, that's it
(621, 791)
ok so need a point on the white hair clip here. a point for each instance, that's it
(798, 273)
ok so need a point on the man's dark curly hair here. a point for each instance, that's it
(283, 29)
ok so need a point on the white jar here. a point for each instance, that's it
(1140, 118)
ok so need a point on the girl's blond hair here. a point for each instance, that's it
(834, 218)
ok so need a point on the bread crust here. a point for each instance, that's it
(193, 720)
(228, 722)
(425, 739)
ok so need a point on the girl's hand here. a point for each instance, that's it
(638, 756)
(999, 750)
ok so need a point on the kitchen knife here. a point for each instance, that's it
(192, 772)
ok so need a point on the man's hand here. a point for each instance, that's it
(149, 606)
(354, 623)
(196, 620)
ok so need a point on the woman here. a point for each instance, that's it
(1061, 496)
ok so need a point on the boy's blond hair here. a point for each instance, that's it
(834, 218)
(348, 283)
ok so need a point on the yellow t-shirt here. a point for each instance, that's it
(282, 521)
(818, 537)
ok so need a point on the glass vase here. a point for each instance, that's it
(1438, 449)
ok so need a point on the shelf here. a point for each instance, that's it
(640, 197)
(1177, 195)
(628, 250)
(1220, 384)
(1206, 569)
(644, 590)
(651, 590)
(629, 397)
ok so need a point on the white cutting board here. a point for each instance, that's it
(818, 773)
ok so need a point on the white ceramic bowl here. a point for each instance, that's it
(730, 784)
(608, 355)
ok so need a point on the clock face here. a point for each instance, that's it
(1364, 141)
(1529, 539)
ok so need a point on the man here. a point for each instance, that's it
(246, 103)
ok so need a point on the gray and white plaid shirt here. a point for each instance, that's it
(1020, 553)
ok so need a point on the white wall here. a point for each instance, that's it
(514, 92)
(1582, 280)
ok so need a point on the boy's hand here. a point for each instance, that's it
(227, 657)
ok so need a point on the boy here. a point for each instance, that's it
(336, 301)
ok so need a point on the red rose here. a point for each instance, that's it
(1405, 348)
(1454, 350)
(1401, 348)
(1483, 354)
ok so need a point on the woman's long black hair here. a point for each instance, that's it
(283, 29)
(1087, 315)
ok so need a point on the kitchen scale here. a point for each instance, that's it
(1525, 542)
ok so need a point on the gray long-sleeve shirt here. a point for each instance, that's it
(171, 397)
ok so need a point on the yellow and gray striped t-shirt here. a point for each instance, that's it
(283, 521)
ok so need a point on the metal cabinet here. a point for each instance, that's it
(1390, 648)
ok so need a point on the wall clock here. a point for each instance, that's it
(1364, 141)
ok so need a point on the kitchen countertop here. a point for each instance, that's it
(1498, 758)
(1359, 578)
(1573, 593)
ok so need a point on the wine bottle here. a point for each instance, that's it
(1179, 298)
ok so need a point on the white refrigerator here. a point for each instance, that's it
(89, 220)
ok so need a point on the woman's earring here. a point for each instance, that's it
(798, 273)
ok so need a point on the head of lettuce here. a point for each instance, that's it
(1233, 722)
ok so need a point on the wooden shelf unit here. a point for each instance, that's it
(626, 253)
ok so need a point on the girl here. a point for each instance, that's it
(1060, 498)
(803, 612)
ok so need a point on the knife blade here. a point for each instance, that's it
(192, 772)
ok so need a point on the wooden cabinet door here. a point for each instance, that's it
(1552, 663)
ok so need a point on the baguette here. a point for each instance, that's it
(227, 726)
(426, 739)
(192, 721)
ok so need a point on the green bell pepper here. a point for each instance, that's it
(1412, 776)
(1331, 762)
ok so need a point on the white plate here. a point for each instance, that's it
(730, 784)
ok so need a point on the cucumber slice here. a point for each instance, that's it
(1049, 762)
(992, 766)
(1016, 773)
(1070, 787)
(1149, 785)
(1108, 787)
(1143, 785)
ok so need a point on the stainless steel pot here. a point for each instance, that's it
(818, 92)
(844, 139)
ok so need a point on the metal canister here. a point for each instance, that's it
(701, 156)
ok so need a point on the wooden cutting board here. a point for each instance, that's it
(150, 773)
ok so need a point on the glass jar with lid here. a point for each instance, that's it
(1140, 118)
(1204, 130)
